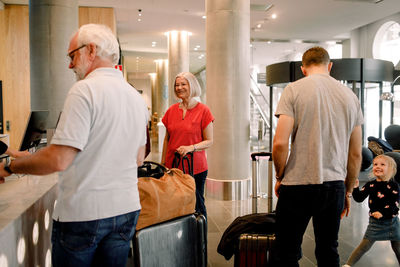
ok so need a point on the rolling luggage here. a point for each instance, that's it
(255, 250)
(251, 238)
(180, 242)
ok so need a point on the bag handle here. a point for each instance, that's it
(151, 169)
(177, 160)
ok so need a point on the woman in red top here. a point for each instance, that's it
(189, 126)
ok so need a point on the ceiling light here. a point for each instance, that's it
(196, 48)
(268, 42)
(140, 14)
(259, 26)
(139, 20)
(330, 42)
(204, 17)
(273, 16)
(264, 8)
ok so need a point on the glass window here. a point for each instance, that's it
(387, 42)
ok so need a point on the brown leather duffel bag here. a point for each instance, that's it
(171, 196)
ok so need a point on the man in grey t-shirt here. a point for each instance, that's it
(323, 119)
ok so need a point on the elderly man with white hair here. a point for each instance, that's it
(98, 144)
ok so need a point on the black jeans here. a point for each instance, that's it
(200, 180)
(296, 206)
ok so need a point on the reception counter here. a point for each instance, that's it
(26, 207)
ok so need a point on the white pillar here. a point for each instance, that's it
(178, 58)
(162, 86)
(228, 85)
(153, 91)
(51, 25)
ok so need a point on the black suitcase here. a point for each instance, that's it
(255, 244)
(180, 242)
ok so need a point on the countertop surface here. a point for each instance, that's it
(17, 194)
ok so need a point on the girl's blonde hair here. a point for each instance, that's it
(392, 167)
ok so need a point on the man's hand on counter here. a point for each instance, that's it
(3, 172)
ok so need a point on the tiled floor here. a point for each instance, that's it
(222, 213)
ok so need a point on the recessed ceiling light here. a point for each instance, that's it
(330, 42)
(258, 25)
(273, 16)
(204, 17)
(139, 20)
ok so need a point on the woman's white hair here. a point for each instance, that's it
(103, 38)
(195, 89)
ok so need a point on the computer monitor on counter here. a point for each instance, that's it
(35, 129)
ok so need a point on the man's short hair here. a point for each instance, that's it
(195, 89)
(315, 56)
(103, 38)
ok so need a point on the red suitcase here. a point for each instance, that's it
(255, 250)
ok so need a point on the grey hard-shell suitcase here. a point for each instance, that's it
(180, 242)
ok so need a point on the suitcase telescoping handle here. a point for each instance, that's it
(178, 160)
(255, 174)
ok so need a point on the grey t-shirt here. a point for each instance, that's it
(325, 113)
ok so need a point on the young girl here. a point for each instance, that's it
(383, 203)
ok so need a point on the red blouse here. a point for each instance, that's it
(187, 131)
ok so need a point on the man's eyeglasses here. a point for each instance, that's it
(72, 53)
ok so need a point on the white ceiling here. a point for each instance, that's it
(306, 20)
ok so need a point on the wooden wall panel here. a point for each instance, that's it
(14, 61)
(14, 69)
(99, 15)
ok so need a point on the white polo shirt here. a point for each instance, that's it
(105, 118)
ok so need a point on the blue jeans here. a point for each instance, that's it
(103, 242)
(200, 180)
(296, 206)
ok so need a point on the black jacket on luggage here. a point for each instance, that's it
(258, 223)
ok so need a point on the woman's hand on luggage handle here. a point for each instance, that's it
(183, 150)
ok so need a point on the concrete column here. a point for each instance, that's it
(51, 25)
(153, 90)
(228, 85)
(161, 86)
(178, 59)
